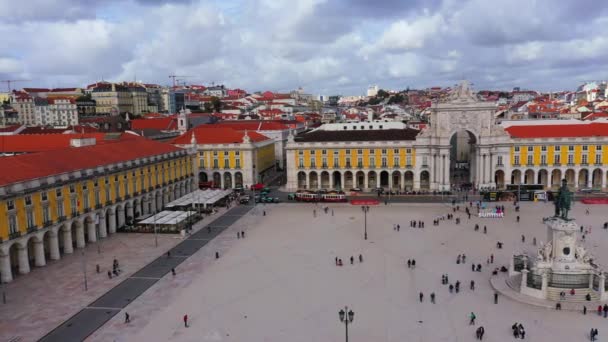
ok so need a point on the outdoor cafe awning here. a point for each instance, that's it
(168, 217)
(198, 197)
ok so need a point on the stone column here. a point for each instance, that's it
(365, 181)
(80, 243)
(603, 176)
(545, 284)
(5, 268)
(103, 231)
(24, 262)
(39, 254)
(591, 275)
(390, 180)
(222, 179)
(121, 217)
(112, 222)
(342, 180)
(589, 179)
(54, 245)
(602, 286)
(144, 207)
(524, 279)
(159, 202)
(91, 231)
(67, 242)
(331, 181)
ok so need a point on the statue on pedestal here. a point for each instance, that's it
(563, 201)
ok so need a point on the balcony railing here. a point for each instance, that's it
(570, 164)
(31, 229)
(426, 165)
(75, 214)
(543, 164)
(359, 166)
(409, 166)
(557, 164)
(87, 210)
(61, 218)
(108, 202)
(324, 166)
(98, 206)
(118, 199)
(127, 196)
(48, 223)
(516, 164)
(500, 165)
(347, 166)
(14, 235)
(585, 164)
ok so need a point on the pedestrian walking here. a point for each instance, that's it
(491, 258)
(421, 296)
(599, 310)
(413, 263)
(485, 230)
(464, 258)
(360, 258)
(336, 261)
(352, 260)
(238, 235)
(495, 298)
(109, 274)
(472, 285)
(605, 310)
(186, 321)
(409, 263)
(472, 318)
(127, 318)
(517, 218)
(168, 254)
(173, 271)
(242, 234)
(217, 255)
(584, 310)
(523, 238)
(515, 329)
(473, 267)
(433, 297)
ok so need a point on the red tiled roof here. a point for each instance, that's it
(162, 123)
(217, 134)
(36, 90)
(25, 143)
(36, 165)
(596, 115)
(254, 125)
(57, 90)
(558, 131)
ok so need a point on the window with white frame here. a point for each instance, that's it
(31, 222)
(584, 159)
(543, 159)
(530, 160)
(12, 224)
(516, 160)
(570, 159)
(557, 159)
(60, 211)
(395, 161)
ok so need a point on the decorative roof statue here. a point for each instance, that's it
(563, 201)
(463, 93)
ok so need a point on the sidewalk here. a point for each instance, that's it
(41, 300)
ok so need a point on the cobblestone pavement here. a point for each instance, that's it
(41, 300)
(280, 283)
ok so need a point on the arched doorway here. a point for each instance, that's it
(348, 180)
(499, 179)
(570, 177)
(238, 179)
(408, 181)
(462, 154)
(301, 180)
(529, 177)
(583, 178)
(371, 180)
(360, 179)
(396, 180)
(384, 179)
(556, 178)
(313, 180)
(227, 180)
(325, 180)
(13, 252)
(202, 177)
(337, 180)
(543, 178)
(217, 180)
(597, 178)
(425, 180)
(516, 177)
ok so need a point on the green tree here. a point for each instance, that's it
(382, 93)
(216, 103)
(207, 107)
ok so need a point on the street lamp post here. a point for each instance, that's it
(365, 209)
(84, 270)
(346, 316)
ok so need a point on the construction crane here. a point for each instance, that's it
(173, 77)
(8, 83)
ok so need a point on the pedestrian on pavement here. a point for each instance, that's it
(472, 318)
(605, 310)
(217, 255)
(515, 329)
(336, 261)
(473, 267)
(485, 231)
(352, 260)
(109, 274)
(168, 254)
(433, 297)
(451, 287)
(409, 263)
(173, 271)
(360, 258)
(523, 238)
(186, 321)
(413, 263)
(584, 310)
(495, 298)
(534, 241)
(472, 285)
(127, 318)
(421, 296)
(517, 218)
(478, 267)
(242, 234)
(238, 235)
(264, 213)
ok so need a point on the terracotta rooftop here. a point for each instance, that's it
(217, 134)
(559, 131)
(254, 125)
(161, 123)
(27, 143)
(364, 135)
(36, 165)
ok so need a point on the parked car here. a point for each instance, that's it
(356, 190)
(291, 196)
(245, 199)
(379, 190)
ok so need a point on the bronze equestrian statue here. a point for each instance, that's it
(563, 201)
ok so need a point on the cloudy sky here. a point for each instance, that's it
(324, 46)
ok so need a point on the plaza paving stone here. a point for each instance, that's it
(280, 283)
(41, 300)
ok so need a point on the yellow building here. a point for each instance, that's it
(229, 158)
(51, 202)
(111, 98)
